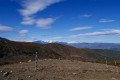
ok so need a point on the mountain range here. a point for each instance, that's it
(3, 39)
(12, 52)
(47, 42)
(109, 46)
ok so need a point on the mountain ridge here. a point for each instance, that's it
(109, 46)
(3, 39)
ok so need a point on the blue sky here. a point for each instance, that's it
(60, 20)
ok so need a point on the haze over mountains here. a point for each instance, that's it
(109, 46)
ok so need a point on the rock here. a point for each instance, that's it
(1, 71)
(114, 78)
(28, 76)
(11, 71)
(29, 60)
(6, 74)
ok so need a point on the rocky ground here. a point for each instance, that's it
(59, 70)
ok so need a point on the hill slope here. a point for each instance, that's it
(20, 51)
(109, 46)
(101, 54)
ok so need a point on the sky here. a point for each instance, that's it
(92, 21)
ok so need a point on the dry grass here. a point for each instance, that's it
(60, 70)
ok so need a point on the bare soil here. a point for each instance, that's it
(53, 69)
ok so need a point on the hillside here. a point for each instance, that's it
(11, 51)
(109, 46)
(21, 51)
(101, 54)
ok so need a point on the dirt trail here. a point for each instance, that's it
(59, 70)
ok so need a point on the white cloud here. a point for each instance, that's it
(109, 32)
(23, 32)
(106, 32)
(80, 28)
(106, 20)
(5, 28)
(58, 37)
(85, 16)
(28, 21)
(31, 7)
(109, 29)
(45, 23)
(26, 39)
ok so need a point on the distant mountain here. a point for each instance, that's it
(3, 39)
(65, 43)
(109, 46)
(47, 42)
(40, 42)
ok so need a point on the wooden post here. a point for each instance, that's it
(94, 62)
(36, 59)
(116, 67)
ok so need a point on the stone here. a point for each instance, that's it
(6, 74)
